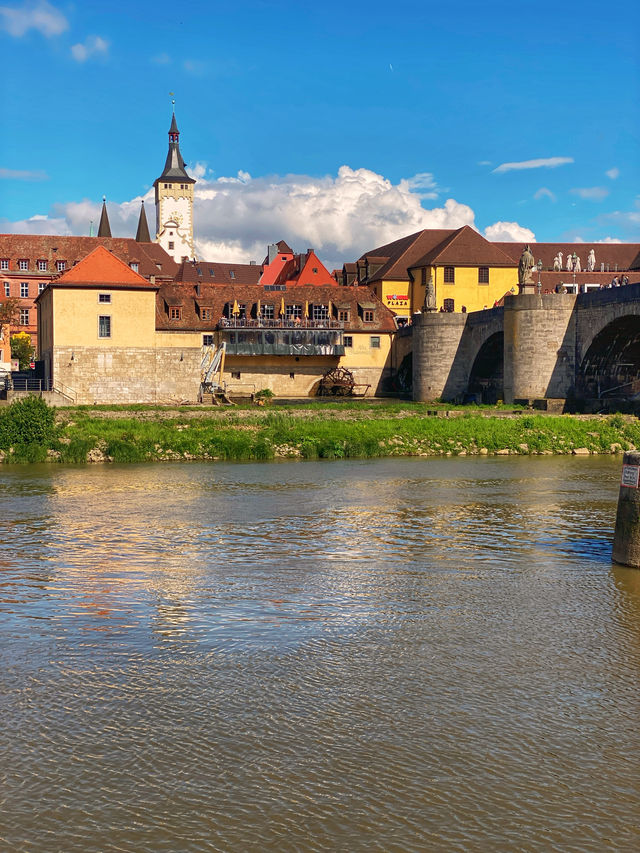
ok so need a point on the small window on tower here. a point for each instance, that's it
(171, 245)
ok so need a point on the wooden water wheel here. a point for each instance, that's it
(338, 382)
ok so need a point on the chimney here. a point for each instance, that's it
(252, 263)
(272, 251)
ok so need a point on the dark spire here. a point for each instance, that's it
(174, 168)
(142, 234)
(104, 230)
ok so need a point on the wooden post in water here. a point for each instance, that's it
(626, 539)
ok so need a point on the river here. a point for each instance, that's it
(384, 655)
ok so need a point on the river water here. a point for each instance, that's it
(388, 655)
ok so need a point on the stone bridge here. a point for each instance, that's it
(538, 347)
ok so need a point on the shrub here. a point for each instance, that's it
(27, 421)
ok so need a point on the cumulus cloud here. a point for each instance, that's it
(22, 175)
(543, 192)
(609, 240)
(613, 173)
(236, 217)
(92, 46)
(509, 232)
(591, 193)
(541, 163)
(40, 16)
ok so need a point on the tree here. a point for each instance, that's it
(22, 349)
(8, 313)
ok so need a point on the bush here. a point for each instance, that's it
(27, 421)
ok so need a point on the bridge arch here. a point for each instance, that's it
(486, 379)
(610, 366)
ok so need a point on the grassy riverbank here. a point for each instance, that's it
(310, 431)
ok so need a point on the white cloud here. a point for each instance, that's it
(40, 16)
(542, 163)
(236, 217)
(509, 232)
(609, 240)
(543, 192)
(22, 175)
(93, 46)
(485, 163)
(591, 193)
(424, 183)
(613, 173)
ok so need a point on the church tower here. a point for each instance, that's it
(174, 202)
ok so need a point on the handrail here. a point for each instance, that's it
(65, 391)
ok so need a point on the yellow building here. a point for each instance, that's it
(107, 335)
(468, 272)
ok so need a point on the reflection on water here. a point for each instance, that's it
(392, 655)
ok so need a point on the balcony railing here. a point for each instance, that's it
(279, 323)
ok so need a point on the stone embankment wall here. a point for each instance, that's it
(129, 375)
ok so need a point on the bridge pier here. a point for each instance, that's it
(436, 339)
(626, 539)
(539, 346)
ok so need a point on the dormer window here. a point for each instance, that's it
(42, 266)
(175, 312)
(134, 266)
(23, 265)
(199, 271)
(232, 274)
(61, 266)
(4, 264)
(212, 273)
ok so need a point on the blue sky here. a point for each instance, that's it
(515, 118)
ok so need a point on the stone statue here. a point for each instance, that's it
(576, 266)
(557, 262)
(430, 296)
(525, 267)
(591, 260)
(569, 263)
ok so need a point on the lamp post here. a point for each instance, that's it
(539, 265)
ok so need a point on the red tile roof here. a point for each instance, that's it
(150, 257)
(215, 298)
(214, 272)
(404, 253)
(101, 267)
(466, 247)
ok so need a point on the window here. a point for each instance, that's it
(23, 265)
(212, 273)
(42, 266)
(368, 316)
(171, 245)
(343, 315)
(375, 341)
(320, 312)
(61, 266)
(449, 275)
(423, 280)
(207, 340)
(292, 376)
(24, 289)
(199, 270)
(205, 313)
(448, 305)
(24, 316)
(41, 286)
(175, 312)
(167, 186)
(348, 340)
(104, 297)
(235, 374)
(104, 326)
(315, 270)
(4, 264)
(232, 274)
(7, 288)
(483, 275)
(293, 312)
(134, 266)
(267, 312)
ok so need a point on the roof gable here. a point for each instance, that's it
(101, 267)
(466, 246)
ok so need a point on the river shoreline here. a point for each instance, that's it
(312, 431)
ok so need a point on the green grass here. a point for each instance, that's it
(317, 431)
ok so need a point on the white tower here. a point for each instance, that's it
(174, 202)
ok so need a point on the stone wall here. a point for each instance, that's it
(129, 375)
(539, 346)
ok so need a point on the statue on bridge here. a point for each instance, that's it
(525, 267)
(576, 266)
(430, 297)
(557, 262)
